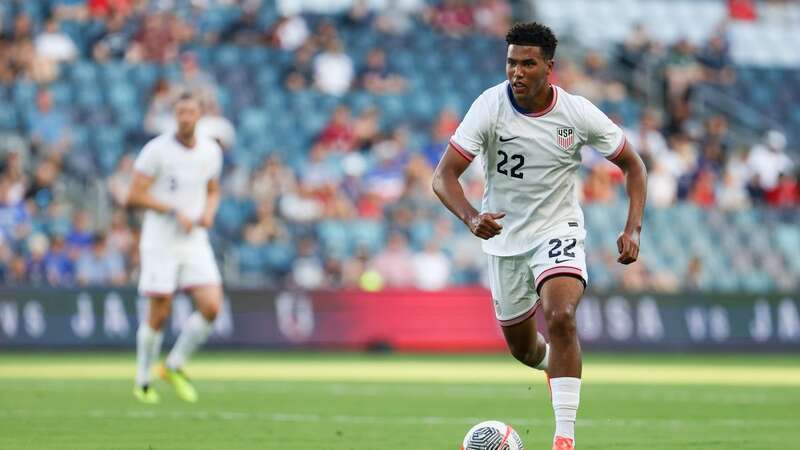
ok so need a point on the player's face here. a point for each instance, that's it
(527, 70)
(187, 113)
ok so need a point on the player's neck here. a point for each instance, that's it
(539, 101)
(187, 141)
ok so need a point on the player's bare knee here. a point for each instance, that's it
(561, 321)
(526, 353)
(159, 311)
(210, 311)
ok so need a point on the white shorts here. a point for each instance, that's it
(515, 280)
(173, 267)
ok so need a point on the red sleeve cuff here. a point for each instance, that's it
(467, 155)
(618, 151)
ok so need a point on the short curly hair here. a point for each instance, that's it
(535, 35)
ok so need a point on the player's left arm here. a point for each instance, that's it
(212, 203)
(636, 187)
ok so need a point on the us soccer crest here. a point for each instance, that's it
(565, 137)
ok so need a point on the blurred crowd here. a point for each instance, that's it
(280, 222)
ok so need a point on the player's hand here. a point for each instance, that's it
(484, 225)
(628, 246)
(206, 222)
(185, 222)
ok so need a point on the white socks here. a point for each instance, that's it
(566, 393)
(195, 332)
(148, 346)
(546, 360)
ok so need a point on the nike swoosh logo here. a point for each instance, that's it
(509, 139)
(563, 260)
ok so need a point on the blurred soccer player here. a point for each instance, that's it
(529, 134)
(177, 181)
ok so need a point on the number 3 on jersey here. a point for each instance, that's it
(514, 170)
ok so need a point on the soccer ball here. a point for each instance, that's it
(492, 435)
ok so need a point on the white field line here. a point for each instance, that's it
(428, 372)
(153, 414)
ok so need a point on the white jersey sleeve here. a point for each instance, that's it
(216, 167)
(602, 134)
(147, 161)
(473, 134)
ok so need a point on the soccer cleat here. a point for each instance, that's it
(563, 443)
(179, 381)
(146, 394)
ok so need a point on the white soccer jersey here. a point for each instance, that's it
(181, 177)
(531, 160)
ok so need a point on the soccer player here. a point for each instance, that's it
(176, 180)
(530, 134)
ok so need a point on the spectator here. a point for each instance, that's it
(694, 274)
(60, 263)
(113, 43)
(159, 117)
(14, 175)
(785, 193)
(54, 44)
(376, 77)
(216, 126)
(100, 264)
(333, 70)
(386, 178)
(14, 216)
(716, 61)
(196, 80)
(245, 30)
(49, 126)
(441, 131)
(156, 40)
(338, 134)
(366, 128)
(300, 74)
(120, 181)
(120, 237)
(80, 235)
(732, 194)
(308, 271)
(703, 191)
(103, 8)
(493, 17)
(647, 138)
(768, 161)
(431, 268)
(43, 190)
(395, 263)
(290, 32)
(598, 186)
(36, 267)
(453, 17)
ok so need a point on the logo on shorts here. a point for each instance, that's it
(497, 307)
(565, 137)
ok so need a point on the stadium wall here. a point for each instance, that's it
(406, 320)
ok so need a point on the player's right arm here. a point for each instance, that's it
(451, 193)
(469, 139)
(145, 169)
(139, 196)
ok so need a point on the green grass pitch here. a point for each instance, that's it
(396, 402)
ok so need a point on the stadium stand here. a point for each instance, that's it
(340, 117)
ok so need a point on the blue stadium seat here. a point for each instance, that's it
(368, 234)
(8, 117)
(333, 237)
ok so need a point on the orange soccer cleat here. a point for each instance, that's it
(563, 443)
